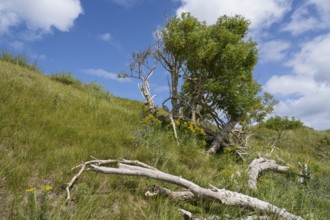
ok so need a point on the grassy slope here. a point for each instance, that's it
(47, 127)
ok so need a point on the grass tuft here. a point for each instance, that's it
(20, 60)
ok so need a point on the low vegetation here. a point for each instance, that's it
(49, 124)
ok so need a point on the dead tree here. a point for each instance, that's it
(142, 70)
(137, 168)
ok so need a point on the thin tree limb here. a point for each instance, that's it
(73, 180)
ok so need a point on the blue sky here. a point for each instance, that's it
(94, 41)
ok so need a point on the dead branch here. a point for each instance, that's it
(142, 70)
(73, 180)
(260, 165)
(179, 196)
(174, 129)
(169, 113)
(188, 216)
(220, 195)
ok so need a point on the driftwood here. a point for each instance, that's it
(137, 168)
(260, 165)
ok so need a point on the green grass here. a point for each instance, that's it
(49, 124)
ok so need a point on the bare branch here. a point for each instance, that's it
(73, 180)
(136, 163)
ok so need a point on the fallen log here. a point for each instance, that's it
(136, 168)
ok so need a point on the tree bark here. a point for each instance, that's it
(220, 195)
(175, 97)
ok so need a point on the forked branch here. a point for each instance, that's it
(259, 165)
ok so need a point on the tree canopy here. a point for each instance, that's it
(218, 63)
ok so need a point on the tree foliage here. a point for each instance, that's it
(219, 72)
(173, 43)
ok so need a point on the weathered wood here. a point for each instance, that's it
(180, 196)
(221, 138)
(220, 195)
(260, 165)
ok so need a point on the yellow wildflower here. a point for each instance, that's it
(30, 190)
(46, 188)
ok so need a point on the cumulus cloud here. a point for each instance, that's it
(106, 74)
(39, 15)
(306, 90)
(312, 15)
(275, 50)
(313, 59)
(105, 37)
(261, 13)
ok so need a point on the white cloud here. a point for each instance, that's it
(105, 74)
(261, 13)
(105, 37)
(306, 91)
(313, 59)
(312, 15)
(125, 3)
(39, 15)
(272, 51)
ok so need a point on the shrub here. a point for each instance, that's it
(66, 78)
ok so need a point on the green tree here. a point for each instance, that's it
(219, 78)
(281, 125)
(171, 50)
(216, 64)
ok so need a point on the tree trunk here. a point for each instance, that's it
(175, 98)
(221, 138)
(145, 90)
